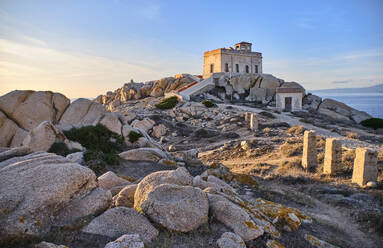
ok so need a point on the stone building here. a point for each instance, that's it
(289, 99)
(239, 59)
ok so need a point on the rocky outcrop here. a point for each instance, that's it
(230, 240)
(43, 136)
(144, 154)
(23, 110)
(110, 181)
(49, 245)
(134, 91)
(126, 241)
(341, 111)
(311, 102)
(234, 217)
(119, 221)
(125, 198)
(177, 208)
(82, 112)
(179, 176)
(29, 108)
(40, 189)
(167, 198)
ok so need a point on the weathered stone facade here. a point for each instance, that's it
(333, 156)
(365, 166)
(235, 60)
(309, 157)
(289, 99)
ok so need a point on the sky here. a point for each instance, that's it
(83, 48)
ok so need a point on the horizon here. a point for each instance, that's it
(83, 49)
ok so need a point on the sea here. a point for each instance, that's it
(371, 103)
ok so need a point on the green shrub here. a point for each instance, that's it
(167, 103)
(134, 136)
(61, 149)
(209, 104)
(374, 123)
(102, 146)
(98, 138)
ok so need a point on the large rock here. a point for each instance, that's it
(92, 203)
(23, 110)
(159, 131)
(234, 217)
(109, 180)
(179, 176)
(112, 122)
(29, 108)
(49, 245)
(177, 208)
(341, 111)
(126, 241)
(11, 134)
(125, 198)
(145, 124)
(34, 188)
(144, 154)
(230, 240)
(82, 112)
(42, 137)
(311, 102)
(119, 221)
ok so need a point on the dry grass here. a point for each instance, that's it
(348, 156)
(321, 142)
(296, 130)
(292, 147)
(290, 167)
(352, 135)
(266, 130)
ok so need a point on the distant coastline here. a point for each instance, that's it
(372, 89)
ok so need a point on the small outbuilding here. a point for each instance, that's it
(289, 99)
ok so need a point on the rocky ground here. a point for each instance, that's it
(346, 215)
(189, 176)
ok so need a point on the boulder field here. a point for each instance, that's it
(40, 192)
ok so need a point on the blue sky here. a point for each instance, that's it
(86, 47)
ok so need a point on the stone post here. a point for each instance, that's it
(332, 156)
(254, 123)
(247, 116)
(365, 166)
(309, 157)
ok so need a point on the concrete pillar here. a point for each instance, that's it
(254, 122)
(332, 156)
(309, 157)
(365, 166)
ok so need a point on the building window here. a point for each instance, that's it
(247, 69)
(236, 67)
(226, 67)
(256, 68)
(211, 68)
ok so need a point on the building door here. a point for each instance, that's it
(288, 101)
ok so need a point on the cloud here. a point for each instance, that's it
(342, 82)
(26, 66)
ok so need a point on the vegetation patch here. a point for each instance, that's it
(291, 147)
(134, 136)
(61, 148)
(167, 103)
(374, 123)
(296, 130)
(102, 145)
(209, 104)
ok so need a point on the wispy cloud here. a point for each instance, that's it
(26, 66)
(356, 69)
(342, 82)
